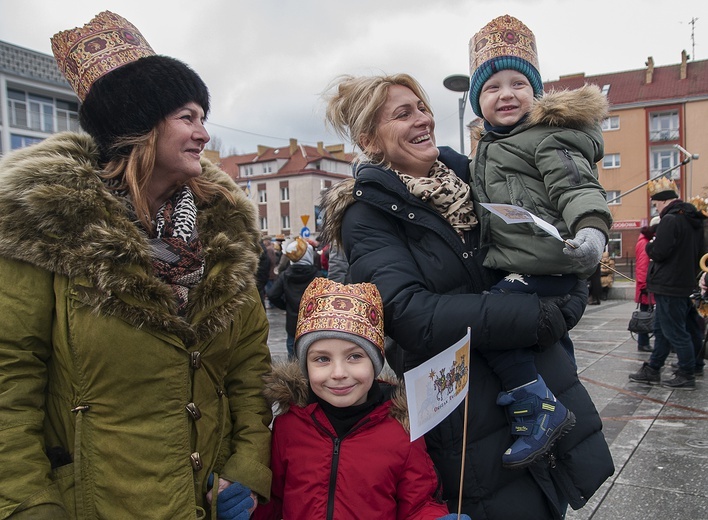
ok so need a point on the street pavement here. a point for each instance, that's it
(658, 437)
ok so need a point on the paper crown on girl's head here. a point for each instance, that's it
(87, 53)
(662, 189)
(353, 312)
(504, 43)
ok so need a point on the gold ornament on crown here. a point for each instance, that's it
(108, 41)
(354, 309)
(503, 36)
(661, 184)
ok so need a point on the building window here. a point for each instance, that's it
(38, 113)
(285, 221)
(611, 160)
(67, 116)
(664, 126)
(611, 123)
(284, 194)
(613, 197)
(21, 141)
(247, 171)
(263, 222)
(262, 197)
(614, 245)
(663, 159)
(267, 168)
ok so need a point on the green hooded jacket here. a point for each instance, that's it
(546, 166)
(134, 405)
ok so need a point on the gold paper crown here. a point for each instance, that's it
(354, 309)
(87, 53)
(296, 249)
(660, 185)
(503, 36)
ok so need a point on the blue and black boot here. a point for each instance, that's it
(538, 420)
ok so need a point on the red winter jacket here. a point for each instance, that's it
(642, 262)
(374, 471)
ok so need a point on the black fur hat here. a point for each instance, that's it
(132, 99)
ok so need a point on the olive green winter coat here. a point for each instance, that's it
(546, 166)
(135, 404)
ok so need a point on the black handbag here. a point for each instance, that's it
(641, 322)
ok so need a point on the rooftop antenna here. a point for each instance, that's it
(693, 39)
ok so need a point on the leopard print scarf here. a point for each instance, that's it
(447, 193)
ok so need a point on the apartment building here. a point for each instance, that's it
(657, 114)
(35, 99)
(286, 183)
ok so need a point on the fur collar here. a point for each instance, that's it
(335, 202)
(285, 386)
(575, 109)
(56, 214)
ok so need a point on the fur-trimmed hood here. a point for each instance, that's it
(285, 386)
(335, 202)
(55, 213)
(575, 109)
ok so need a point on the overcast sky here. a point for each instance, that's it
(267, 62)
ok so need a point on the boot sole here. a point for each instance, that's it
(644, 381)
(679, 387)
(559, 432)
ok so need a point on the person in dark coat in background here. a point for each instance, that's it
(422, 252)
(263, 272)
(286, 291)
(675, 253)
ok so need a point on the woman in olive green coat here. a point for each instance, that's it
(133, 340)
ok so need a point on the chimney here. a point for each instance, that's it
(684, 64)
(320, 148)
(337, 151)
(650, 70)
(262, 149)
(293, 146)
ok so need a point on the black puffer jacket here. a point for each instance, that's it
(676, 250)
(286, 291)
(430, 282)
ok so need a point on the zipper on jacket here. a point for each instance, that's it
(333, 479)
(337, 441)
(570, 167)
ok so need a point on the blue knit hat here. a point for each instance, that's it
(505, 43)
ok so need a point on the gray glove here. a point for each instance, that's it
(551, 322)
(589, 244)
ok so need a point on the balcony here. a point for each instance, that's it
(664, 135)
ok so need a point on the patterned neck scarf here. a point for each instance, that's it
(447, 193)
(176, 248)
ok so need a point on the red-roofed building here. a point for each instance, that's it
(286, 183)
(654, 111)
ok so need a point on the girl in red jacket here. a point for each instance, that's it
(340, 447)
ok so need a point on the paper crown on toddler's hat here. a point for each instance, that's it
(504, 43)
(330, 310)
(662, 189)
(125, 88)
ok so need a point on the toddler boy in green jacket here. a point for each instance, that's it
(539, 153)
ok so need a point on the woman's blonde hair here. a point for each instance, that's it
(353, 108)
(134, 173)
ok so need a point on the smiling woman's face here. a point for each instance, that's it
(181, 139)
(405, 133)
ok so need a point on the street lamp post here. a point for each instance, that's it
(459, 83)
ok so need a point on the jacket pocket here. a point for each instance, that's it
(571, 169)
